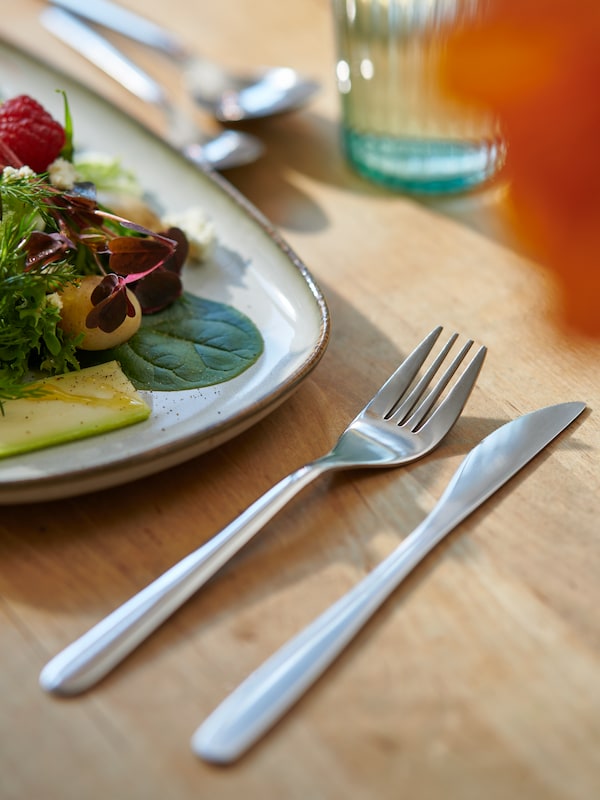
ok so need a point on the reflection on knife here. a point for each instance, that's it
(269, 692)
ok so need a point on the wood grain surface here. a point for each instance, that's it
(480, 677)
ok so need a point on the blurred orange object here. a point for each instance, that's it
(537, 65)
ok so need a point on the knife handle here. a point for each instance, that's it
(264, 697)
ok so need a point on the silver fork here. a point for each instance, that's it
(400, 424)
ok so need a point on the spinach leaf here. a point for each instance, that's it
(193, 343)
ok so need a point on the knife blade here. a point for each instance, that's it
(264, 697)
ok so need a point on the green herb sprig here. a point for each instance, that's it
(29, 317)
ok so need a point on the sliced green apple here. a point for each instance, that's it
(71, 406)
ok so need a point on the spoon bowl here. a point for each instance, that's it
(226, 150)
(235, 98)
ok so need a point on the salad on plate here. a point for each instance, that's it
(92, 305)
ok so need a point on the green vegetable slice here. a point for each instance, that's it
(70, 407)
(194, 343)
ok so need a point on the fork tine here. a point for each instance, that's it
(395, 386)
(451, 407)
(424, 407)
(400, 412)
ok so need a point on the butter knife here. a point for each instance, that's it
(264, 697)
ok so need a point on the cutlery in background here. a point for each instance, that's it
(264, 697)
(231, 98)
(226, 150)
(400, 424)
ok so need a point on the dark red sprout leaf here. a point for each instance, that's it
(111, 304)
(176, 261)
(158, 290)
(77, 211)
(130, 255)
(78, 204)
(107, 286)
(108, 314)
(45, 248)
(161, 287)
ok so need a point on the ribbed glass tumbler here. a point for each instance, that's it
(398, 129)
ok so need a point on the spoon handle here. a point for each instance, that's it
(121, 20)
(82, 38)
(223, 151)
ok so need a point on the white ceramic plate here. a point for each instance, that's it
(252, 269)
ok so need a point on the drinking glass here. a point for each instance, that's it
(398, 128)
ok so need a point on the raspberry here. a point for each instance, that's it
(30, 132)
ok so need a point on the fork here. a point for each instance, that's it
(400, 424)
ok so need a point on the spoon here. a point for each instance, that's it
(227, 149)
(231, 98)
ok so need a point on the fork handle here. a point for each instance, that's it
(87, 660)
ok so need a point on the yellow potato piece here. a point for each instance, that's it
(76, 305)
(73, 406)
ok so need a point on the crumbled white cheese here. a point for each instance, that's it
(54, 299)
(14, 174)
(198, 228)
(62, 174)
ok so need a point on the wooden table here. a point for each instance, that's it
(480, 678)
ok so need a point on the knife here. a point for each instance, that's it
(262, 699)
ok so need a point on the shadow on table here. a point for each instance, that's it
(299, 145)
(307, 145)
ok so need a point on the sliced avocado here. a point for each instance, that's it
(71, 406)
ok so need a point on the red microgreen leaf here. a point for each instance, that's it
(158, 290)
(109, 313)
(176, 261)
(111, 304)
(130, 255)
(45, 248)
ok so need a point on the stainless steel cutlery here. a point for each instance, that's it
(229, 97)
(225, 150)
(274, 687)
(401, 423)
(406, 419)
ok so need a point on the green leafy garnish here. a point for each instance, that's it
(28, 316)
(107, 174)
(67, 150)
(194, 343)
